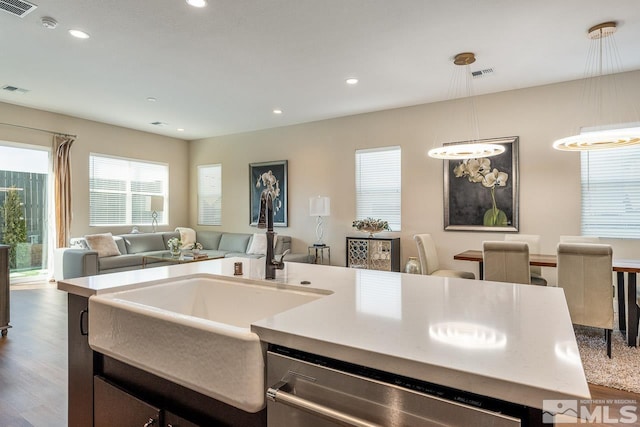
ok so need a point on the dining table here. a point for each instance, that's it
(627, 306)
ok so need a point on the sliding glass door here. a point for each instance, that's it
(24, 213)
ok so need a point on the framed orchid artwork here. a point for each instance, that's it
(482, 194)
(270, 176)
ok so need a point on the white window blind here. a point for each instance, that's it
(378, 185)
(210, 195)
(120, 190)
(610, 182)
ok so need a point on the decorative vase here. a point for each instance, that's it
(370, 230)
(494, 217)
(412, 266)
(175, 251)
(195, 251)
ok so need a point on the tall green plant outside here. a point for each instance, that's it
(15, 225)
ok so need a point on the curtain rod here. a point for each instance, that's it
(40, 130)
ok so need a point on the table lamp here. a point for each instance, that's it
(156, 204)
(319, 206)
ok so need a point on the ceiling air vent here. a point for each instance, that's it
(481, 73)
(15, 89)
(17, 7)
(159, 123)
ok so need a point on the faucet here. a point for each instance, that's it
(265, 220)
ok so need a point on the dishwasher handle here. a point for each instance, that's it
(275, 394)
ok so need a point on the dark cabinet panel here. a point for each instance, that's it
(4, 289)
(115, 407)
(172, 420)
(82, 362)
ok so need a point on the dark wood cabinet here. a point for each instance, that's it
(172, 420)
(178, 406)
(373, 253)
(82, 363)
(115, 407)
(4, 289)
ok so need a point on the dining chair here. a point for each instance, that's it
(429, 263)
(579, 239)
(584, 272)
(533, 241)
(506, 261)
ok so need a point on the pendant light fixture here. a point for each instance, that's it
(601, 96)
(470, 149)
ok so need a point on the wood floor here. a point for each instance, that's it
(33, 362)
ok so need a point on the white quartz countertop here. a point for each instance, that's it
(508, 341)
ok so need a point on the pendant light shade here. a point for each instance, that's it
(466, 151)
(601, 96)
(469, 149)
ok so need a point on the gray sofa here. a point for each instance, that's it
(80, 261)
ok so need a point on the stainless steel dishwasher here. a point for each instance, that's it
(313, 391)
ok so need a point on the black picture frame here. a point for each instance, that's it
(466, 202)
(256, 184)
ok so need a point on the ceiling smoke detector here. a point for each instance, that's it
(18, 8)
(49, 22)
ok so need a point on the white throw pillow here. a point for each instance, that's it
(187, 237)
(258, 244)
(103, 244)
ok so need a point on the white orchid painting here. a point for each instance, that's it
(482, 192)
(272, 177)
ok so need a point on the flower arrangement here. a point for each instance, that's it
(174, 245)
(196, 246)
(371, 225)
(479, 171)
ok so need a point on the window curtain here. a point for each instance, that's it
(62, 188)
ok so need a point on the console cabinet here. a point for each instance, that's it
(373, 253)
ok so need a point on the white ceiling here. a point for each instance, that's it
(224, 68)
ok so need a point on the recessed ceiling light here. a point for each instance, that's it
(152, 99)
(197, 3)
(277, 111)
(180, 130)
(352, 81)
(79, 34)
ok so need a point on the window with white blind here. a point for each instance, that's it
(611, 192)
(378, 185)
(120, 191)
(210, 195)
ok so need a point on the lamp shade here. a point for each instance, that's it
(319, 206)
(156, 203)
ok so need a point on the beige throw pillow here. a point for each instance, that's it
(103, 244)
(187, 237)
(258, 244)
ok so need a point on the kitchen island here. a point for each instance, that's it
(506, 342)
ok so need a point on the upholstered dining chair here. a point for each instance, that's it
(579, 239)
(584, 272)
(533, 241)
(506, 262)
(429, 263)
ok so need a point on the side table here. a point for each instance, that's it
(316, 254)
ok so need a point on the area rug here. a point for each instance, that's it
(622, 371)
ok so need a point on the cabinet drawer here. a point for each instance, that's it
(115, 407)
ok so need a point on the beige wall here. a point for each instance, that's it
(321, 161)
(94, 137)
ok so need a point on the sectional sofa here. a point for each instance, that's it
(80, 260)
